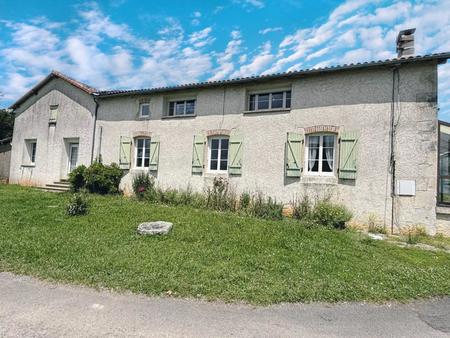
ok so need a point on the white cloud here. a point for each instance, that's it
(250, 3)
(270, 30)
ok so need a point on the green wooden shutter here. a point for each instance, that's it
(235, 155)
(198, 154)
(125, 152)
(347, 155)
(154, 153)
(294, 154)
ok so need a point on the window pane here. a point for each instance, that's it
(224, 143)
(313, 166)
(263, 101)
(277, 100)
(145, 110)
(190, 107)
(288, 99)
(140, 142)
(223, 165)
(314, 141)
(179, 107)
(224, 154)
(328, 141)
(251, 102)
(214, 144)
(146, 162)
(139, 162)
(327, 166)
(171, 108)
(214, 154)
(147, 143)
(214, 165)
(444, 190)
(33, 152)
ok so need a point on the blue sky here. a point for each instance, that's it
(135, 43)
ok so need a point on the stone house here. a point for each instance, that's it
(364, 134)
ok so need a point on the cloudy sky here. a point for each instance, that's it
(135, 43)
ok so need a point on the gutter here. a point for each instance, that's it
(94, 96)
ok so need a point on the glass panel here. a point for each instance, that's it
(313, 166)
(145, 110)
(139, 162)
(223, 165)
(263, 101)
(190, 107)
(251, 102)
(146, 162)
(215, 144)
(33, 152)
(147, 143)
(444, 190)
(327, 166)
(314, 141)
(214, 154)
(288, 99)
(277, 100)
(214, 165)
(328, 141)
(179, 107)
(171, 108)
(140, 142)
(224, 154)
(224, 143)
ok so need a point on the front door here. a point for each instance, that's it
(73, 157)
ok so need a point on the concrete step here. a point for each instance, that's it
(59, 186)
(62, 184)
(53, 189)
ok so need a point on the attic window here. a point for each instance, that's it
(53, 114)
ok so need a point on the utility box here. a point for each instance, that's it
(406, 188)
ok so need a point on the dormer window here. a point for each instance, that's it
(270, 100)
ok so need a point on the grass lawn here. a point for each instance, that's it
(208, 254)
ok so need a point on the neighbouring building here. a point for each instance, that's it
(365, 134)
(5, 156)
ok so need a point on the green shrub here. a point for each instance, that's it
(78, 205)
(330, 215)
(244, 201)
(76, 178)
(267, 208)
(302, 208)
(143, 183)
(103, 179)
(220, 196)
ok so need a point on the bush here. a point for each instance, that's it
(143, 184)
(267, 208)
(76, 178)
(78, 205)
(220, 196)
(302, 208)
(330, 215)
(103, 179)
(244, 201)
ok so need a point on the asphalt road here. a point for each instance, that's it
(32, 308)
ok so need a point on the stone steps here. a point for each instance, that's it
(61, 186)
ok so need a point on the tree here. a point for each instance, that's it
(6, 123)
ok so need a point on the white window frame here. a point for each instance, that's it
(142, 167)
(30, 147)
(270, 100)
(141, 105)
(320, 172)
(175, 101)
(218, 170)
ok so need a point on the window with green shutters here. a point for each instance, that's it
(294, 154)
(198, 154)
(348, 155)
(125, 152)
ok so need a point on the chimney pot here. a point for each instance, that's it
(405, 42)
